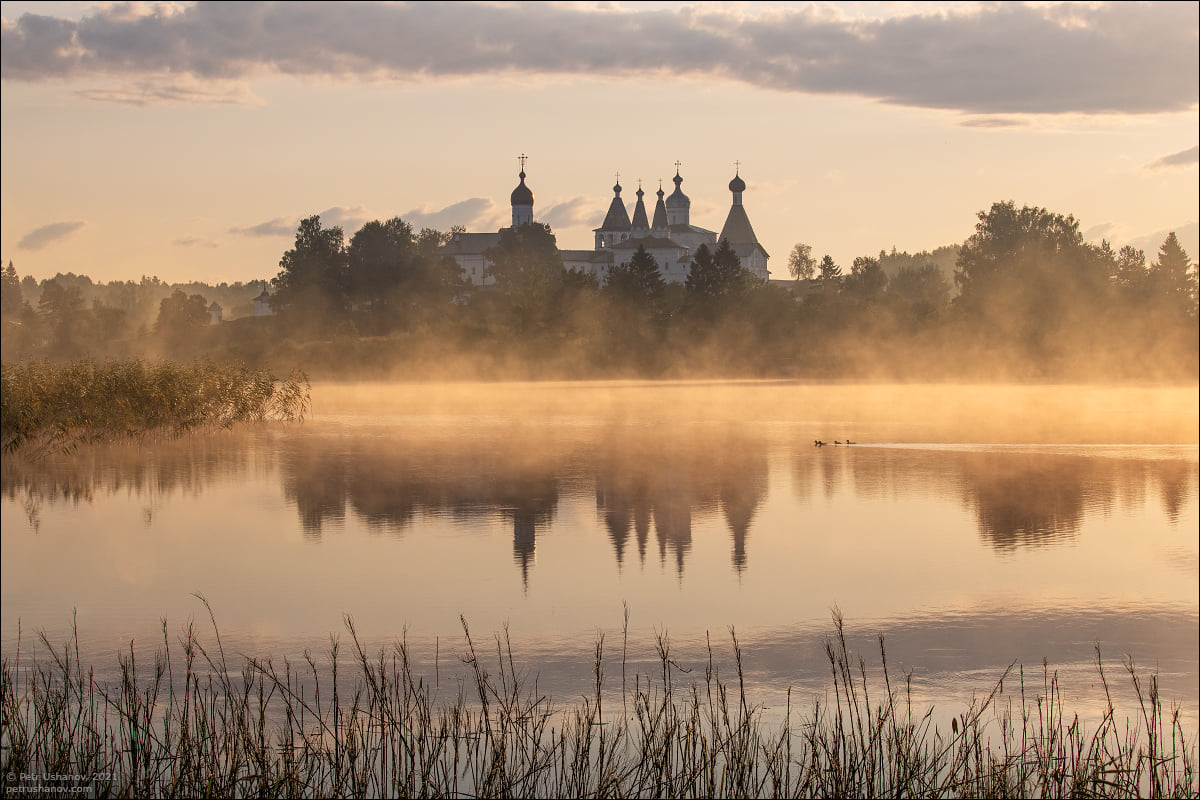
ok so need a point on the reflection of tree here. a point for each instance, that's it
(387, 481)
(150, 468)
(1026, 500)
(1020, 499)
(1175, 479)
(315, 481)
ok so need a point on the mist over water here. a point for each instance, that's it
(972, 525)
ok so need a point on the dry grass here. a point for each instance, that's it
(189, 726)
(56, 407)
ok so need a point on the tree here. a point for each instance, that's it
(801, 263)
(11, 299)
(1172, 277)
(181, 317)
(867, 280)
(379, 259)
(830, 275)
(311, 284)
(637, 281)
(65, 316)
(716, 276)
(924, 288)
(1025, 250)
(1035, 289)
(528, 269)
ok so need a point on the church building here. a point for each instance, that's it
(669, 236)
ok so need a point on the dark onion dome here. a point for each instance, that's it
(521, 195)
(737, 184)
(678, 198)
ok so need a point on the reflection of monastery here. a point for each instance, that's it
(669, 236)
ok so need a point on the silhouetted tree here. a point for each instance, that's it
(924, 289)
(801, 263)
(716, 277)
(65, 317)
(311, 284)
(637, 281)
(1172, 279)
(1027, 278)
(830, 274)
(180, 318)
(11, 298)
(867, 280)
(528, 269)
(378, 261)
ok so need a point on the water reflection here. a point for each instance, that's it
(152, 470)
(663, 479)
(1019, 498)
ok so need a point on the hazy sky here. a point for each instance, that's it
(187, 140)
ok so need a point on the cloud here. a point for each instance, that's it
(348, 219)
(280, 226)
(996, 58)
(196, 241)
(474, 213)
(991, 122)
(576, 211)
(176, 89)
(1104, 230)
(49, 234)
(1184, 158)
(1188, 235)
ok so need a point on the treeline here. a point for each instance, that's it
(70, 316)
(1024, 297)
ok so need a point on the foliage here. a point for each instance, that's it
(1034, 300)
(11, 299)
(801, 264)
(717, 277)
(181, 315)
(924, 289)
(312, 281)
(529, 272)
(830, 273)
(47, 407)
(637, 281)
(867, 280)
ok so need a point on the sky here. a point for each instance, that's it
(187, 140)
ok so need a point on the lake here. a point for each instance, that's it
(971, 526)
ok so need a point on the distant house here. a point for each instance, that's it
(215, 312)
(262, 305)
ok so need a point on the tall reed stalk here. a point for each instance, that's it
(188, 725)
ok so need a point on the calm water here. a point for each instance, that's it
(972, 526)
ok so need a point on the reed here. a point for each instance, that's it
(189, 725)
(47, 407)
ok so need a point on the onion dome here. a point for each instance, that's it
(522, 196)
(737, 184)
(678, 199)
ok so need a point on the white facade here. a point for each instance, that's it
(671, 238)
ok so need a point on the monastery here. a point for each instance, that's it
(670, 237)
